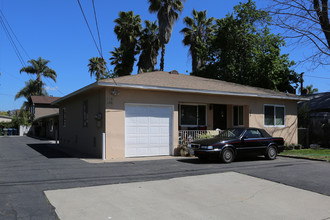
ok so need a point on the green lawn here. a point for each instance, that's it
(321, 154)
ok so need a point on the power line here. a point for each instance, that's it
(4, 17)
(320, 77)
(4, 24)
(90, 31)
(54, 86)
(97, 28)
(18, 54)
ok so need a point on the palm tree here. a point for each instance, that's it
(40, 68)
(97, 67)
(149, 45)
(196, 35)
(311, 90)
(167, 14)
(128, 28)
(31, 88)
(117, 60)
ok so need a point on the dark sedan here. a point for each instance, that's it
(237, 141)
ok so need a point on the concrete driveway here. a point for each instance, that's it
(215, 196)
(29, 167)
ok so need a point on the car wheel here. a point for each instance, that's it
(227, 155)
(271, 153)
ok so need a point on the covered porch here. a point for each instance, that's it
(209, 116)
(204, 120)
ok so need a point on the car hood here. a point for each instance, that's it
(211, 141)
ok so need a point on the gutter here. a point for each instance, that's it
(173, 89)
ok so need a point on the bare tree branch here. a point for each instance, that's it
(307, 23)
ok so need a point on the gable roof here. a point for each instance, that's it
(318, 102)
(173, 81)
(43, 99)
(6, 116)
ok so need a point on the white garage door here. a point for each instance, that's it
(148, 130)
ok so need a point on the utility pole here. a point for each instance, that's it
(302, 83)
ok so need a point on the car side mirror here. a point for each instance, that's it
(243, 138)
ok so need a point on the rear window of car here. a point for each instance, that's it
(253, 133)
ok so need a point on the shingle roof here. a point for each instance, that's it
(43, 99)
(182, 81)
(167, 81)
(318, 102)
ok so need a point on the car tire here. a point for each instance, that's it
(227, 155)
(271, 152)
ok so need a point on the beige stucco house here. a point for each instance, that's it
(4, 118)
(45, 115)
(141, 115)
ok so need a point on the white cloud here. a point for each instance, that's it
(48, 88)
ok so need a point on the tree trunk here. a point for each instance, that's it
(322, 14)
(39, 83)
(162, 58)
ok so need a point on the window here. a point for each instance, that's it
(85, 114)
(64, 117)
(193, 115)
(253, 133)
(274, 115)
(51, 126)
(238, 115)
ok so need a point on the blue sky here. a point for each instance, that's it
(56, 31)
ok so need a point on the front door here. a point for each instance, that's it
(219, 117)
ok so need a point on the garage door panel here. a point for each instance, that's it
(147, 130)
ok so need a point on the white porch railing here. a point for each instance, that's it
(187, 136)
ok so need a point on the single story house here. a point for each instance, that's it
(5, 118)
(314, 115)
(141, 115)
(45, 115)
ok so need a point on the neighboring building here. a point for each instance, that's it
(4, 118)
(314, 114)
(45, 116)
(141, 115)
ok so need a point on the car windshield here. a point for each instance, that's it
(231, 133)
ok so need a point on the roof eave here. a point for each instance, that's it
(90, 86)
(161, 88)
(173, 89)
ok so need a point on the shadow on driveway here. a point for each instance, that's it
(195, 160)
(49, 151)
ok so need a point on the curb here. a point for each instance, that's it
(305, 158)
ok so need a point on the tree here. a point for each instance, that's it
(197, 34)
(149, 45)
(244, 51)
(31, 89)
(311, 90)
(97, 67)
(117, 60)
(167, 14)
(306, 22)
(128, 29)
(39, 67)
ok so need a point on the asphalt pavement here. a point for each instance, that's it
(29, 167)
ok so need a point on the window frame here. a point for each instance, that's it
(85, 114)
(64, 117)
(239, 125)
(193, 125)
(275, 106)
